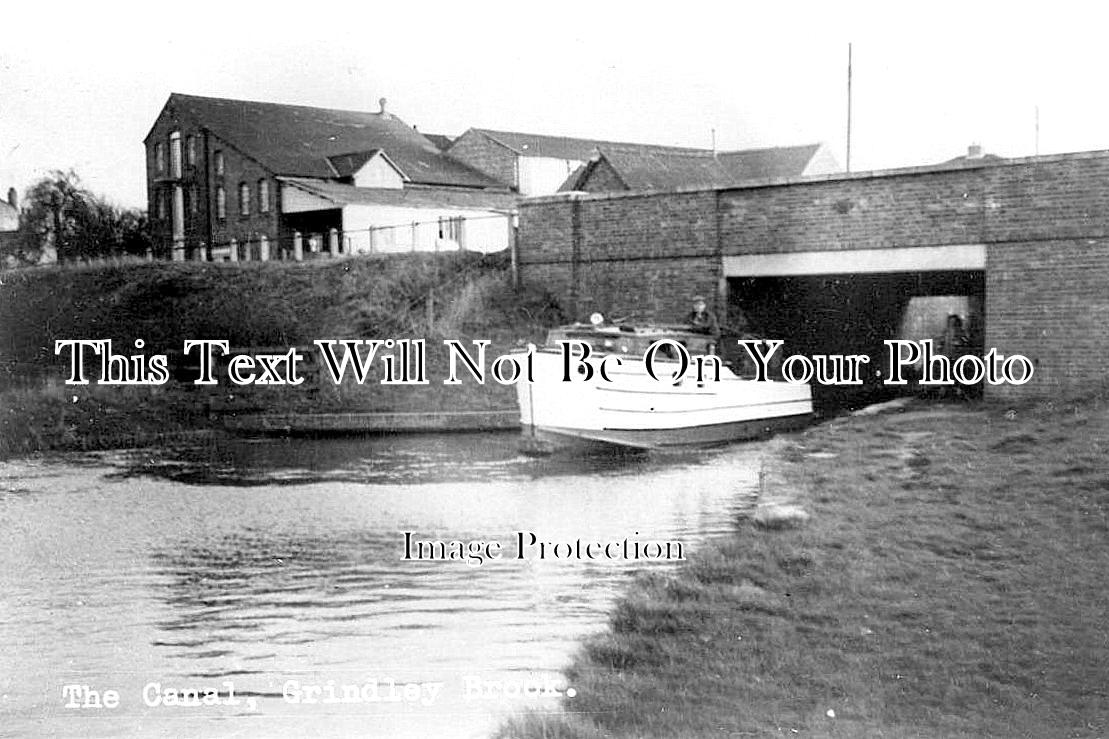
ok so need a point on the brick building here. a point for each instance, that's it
(234, 179)
(536, 164)
(830, 263)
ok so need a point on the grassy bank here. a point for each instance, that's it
(951, 582)
(273, 305)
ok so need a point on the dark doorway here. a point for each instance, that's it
(854, 314)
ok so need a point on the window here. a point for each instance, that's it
(160, 204)
(194, 200)
(190, 151)
(160, 157)
(219, 163)
(175, 154)
(221, 203)
(244, 199)
(263, 196)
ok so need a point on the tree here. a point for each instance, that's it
(78, 223)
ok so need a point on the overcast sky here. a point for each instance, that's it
(80, 86)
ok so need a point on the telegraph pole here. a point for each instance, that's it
(848, 107)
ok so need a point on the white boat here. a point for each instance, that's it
(632, 409)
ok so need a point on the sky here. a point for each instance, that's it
(81, 83)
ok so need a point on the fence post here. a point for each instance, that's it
(234, 244)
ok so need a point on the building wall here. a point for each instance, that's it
(1044, 221)
(161, 184)
(203, 230)
(389, 229)
(603, 178)
(378, 173)
(240, 168)
(487, 156)
(544, 175)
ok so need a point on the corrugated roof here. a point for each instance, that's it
(411, 197)
(298, 140)
(647, 168)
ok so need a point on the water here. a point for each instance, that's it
(262, 567)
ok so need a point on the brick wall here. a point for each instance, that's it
(1045, 222)
(487, 156)
(602, 178)
(160, 183)
(246, 230)
(199, 182)
(1049, 300)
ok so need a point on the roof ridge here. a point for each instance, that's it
(492, 131)
(272, 104)
(814, 144)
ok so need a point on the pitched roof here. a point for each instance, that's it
(564, 147)
(650, 168)
(298, 140)
(347, 165)
(416, 197)
(443, 142)
(769, 163)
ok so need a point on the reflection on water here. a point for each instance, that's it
(404, 458)
(276, 563)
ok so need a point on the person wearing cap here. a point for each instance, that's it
(702, 319)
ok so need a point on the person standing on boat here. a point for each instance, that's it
(702, 319)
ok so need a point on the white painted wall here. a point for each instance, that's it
(544, 175)
(397, 229)
(378, 173)
(295, 200)
(823, 162)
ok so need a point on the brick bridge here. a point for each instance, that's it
(834, 263)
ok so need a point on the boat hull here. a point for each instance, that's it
(632, 409)
(676, 438)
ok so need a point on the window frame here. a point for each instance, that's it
(244, 199)
(176, 156)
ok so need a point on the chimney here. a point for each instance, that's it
(12, 198)
(974, 151)
(383, 113)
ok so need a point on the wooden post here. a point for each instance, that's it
(511, 220)
(234, 246)
(333, 242)
(264, 248)
(298, 247)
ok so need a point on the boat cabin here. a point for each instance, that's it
(632, 340)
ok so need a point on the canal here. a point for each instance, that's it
(270, 572)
